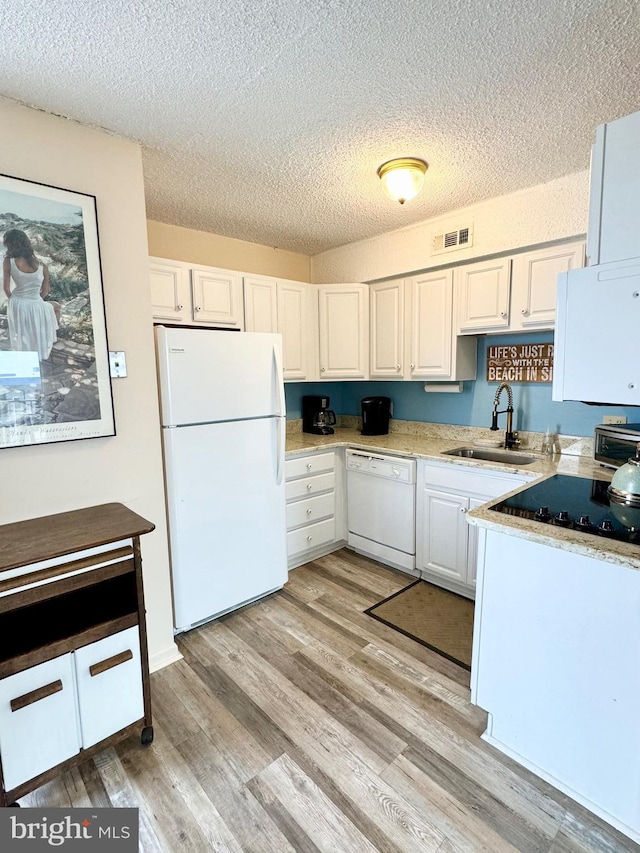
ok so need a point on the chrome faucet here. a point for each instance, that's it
(510, 438)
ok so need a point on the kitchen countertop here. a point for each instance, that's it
(431, 447)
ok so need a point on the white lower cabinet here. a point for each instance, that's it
(51, 711)
(314, 505)
(446, 546)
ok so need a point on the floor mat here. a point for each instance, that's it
(435, 617)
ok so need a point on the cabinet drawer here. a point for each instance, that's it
(305, 465)
(311, 536)
(312, 509)
(458, 479)
(310, 486)
(109, 678)
(38, 720)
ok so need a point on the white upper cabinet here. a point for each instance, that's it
(595, 342)
(170, 291)
(289, 308)
(436, 351)
(387, 321)
(298, 325)
(195, 295)
(614, 212)
(217, 297)
(534, 284)
(260, 304)
(483, 296)
(515, 294)
(343, 314)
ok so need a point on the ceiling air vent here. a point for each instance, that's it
(451, 240)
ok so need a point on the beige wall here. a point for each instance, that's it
(126, 468)
(553, 211)
(200, 247)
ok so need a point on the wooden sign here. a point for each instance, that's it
(520, 363)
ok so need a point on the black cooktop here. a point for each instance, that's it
(575, 503)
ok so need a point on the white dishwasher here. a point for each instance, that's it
(381, 507)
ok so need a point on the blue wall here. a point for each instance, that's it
(534, 409)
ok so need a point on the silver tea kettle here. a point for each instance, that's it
(625, 483)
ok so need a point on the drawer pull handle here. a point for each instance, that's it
(309, 538)
(309, 486)
(309, 466)
(109, 663)
(36, 695)
(309, 512)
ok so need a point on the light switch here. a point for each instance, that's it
(117, 365)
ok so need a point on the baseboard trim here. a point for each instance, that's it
(164, 657)
(566, 789)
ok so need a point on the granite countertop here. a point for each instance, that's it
(433, 444)
(430, 443)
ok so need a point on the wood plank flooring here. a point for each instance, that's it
(301, 724)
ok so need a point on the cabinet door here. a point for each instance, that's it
(344, 330)
(109, 679)
(614, 214)
(217, 297)
(260, 304)
(442, 544)
(432, 329)
(483, 296)
(38, 720)
(294, 326)
(170, 296)
(386, 305)
(605, 369)
(534, 284)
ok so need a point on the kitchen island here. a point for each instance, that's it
(556, 658)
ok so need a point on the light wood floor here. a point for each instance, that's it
(301, 724)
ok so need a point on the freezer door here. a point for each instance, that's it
(208, 376)
(226, 516)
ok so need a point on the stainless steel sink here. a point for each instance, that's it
(507, 457)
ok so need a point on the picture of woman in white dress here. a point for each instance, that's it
(32, 322)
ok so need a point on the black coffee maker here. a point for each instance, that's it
(376, 412)
(317, 417)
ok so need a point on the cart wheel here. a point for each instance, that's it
(147, 735)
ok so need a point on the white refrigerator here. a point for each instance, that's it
(223, 433)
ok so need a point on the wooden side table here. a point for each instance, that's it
(74, 670)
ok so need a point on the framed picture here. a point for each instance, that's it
(54, 359)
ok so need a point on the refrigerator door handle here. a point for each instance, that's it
(280, 448)
(281, 407)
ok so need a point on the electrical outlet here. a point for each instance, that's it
(614, 419)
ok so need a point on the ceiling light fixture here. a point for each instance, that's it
(402, 178)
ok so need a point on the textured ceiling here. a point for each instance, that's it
(265, 120)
